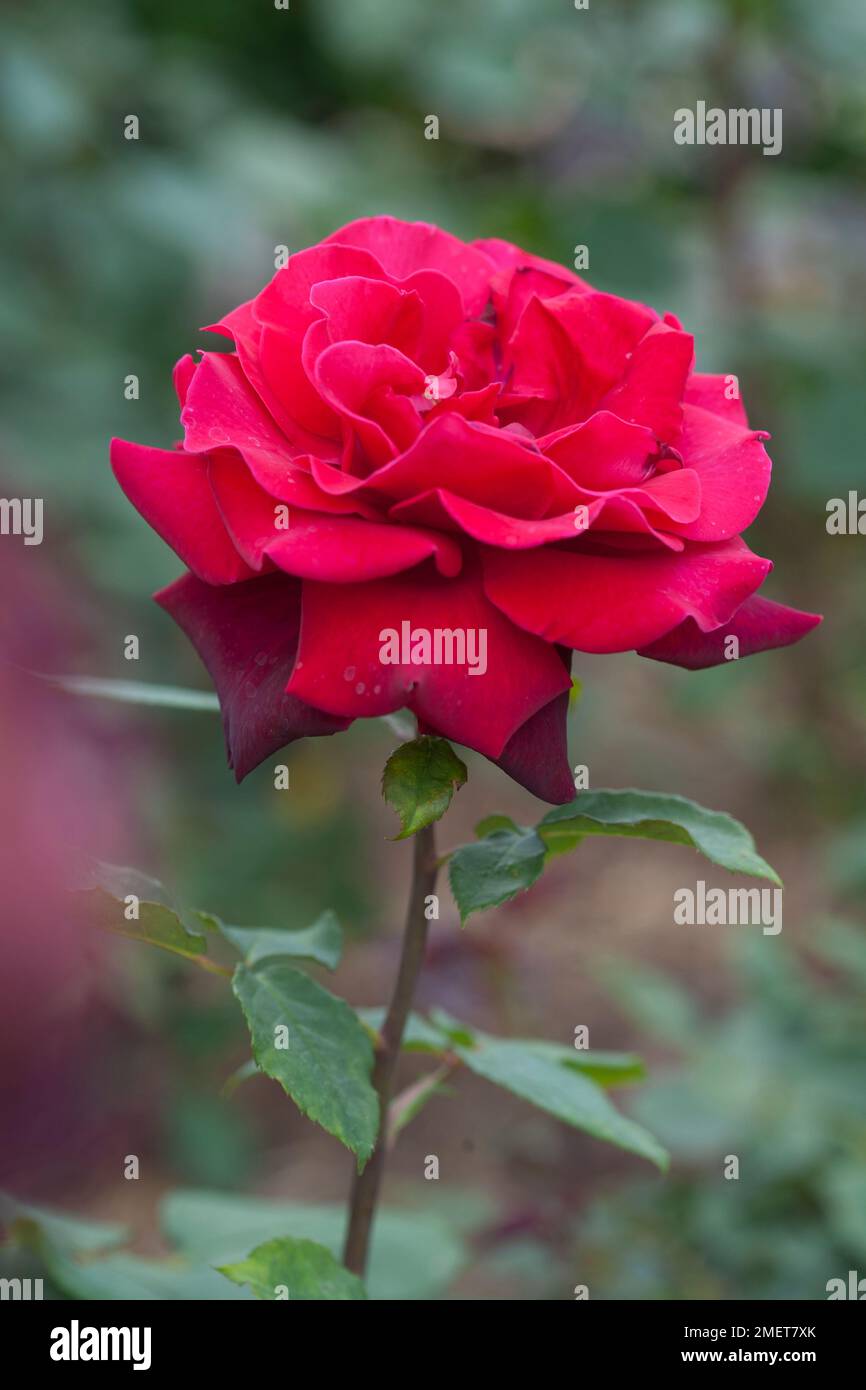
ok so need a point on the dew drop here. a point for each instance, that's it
(360, 688)
(349, 673)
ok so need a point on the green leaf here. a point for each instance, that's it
(490, 823)
(100, 901)
(122, 1276)
(409, 1103)
(321, 942)
(419, 781)
(604, 1068)
(66, 1233)
(418, 1035)
(137, 692)
(495, 868)
(655, 816)
(301, 1267)
(326, 1066)
(414, 1254)
(244, 1072)
(537, 1073)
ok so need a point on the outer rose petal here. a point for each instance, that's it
(536, 756)
(734, 470)
(222, 409)
(403, 247)
(339, 666)
(171, 490)
(712, 393)
(247, 637)
(334, 549)
(509, 258)
(182, 375)
(604, 603)
(759, 626)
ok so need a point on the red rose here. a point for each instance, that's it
(419, 448)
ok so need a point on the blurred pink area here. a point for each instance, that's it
(59, 797)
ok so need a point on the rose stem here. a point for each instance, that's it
(365, 1185)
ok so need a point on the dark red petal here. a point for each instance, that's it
(758, 626)
(170, 488)
(605, 603)
(246, 635)
(536, 756)
(340, 666)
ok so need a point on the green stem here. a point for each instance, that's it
(365, 1186)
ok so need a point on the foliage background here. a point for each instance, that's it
(262, 127)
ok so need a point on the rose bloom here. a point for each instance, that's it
(413, 430)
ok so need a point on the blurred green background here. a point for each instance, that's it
(262, 127)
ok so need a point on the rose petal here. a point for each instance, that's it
(483, 465)
(368, 387)
(247, 635)
(339, 664)
(714, 393)
(603, 452)
(171, 491)
(404, 247)
(566, 353)
(758, 625)
(536, 756)
(334, 549)
(652, 387)
(611, 603)
(734, 470)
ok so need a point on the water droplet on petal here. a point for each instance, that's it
(349, 673)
